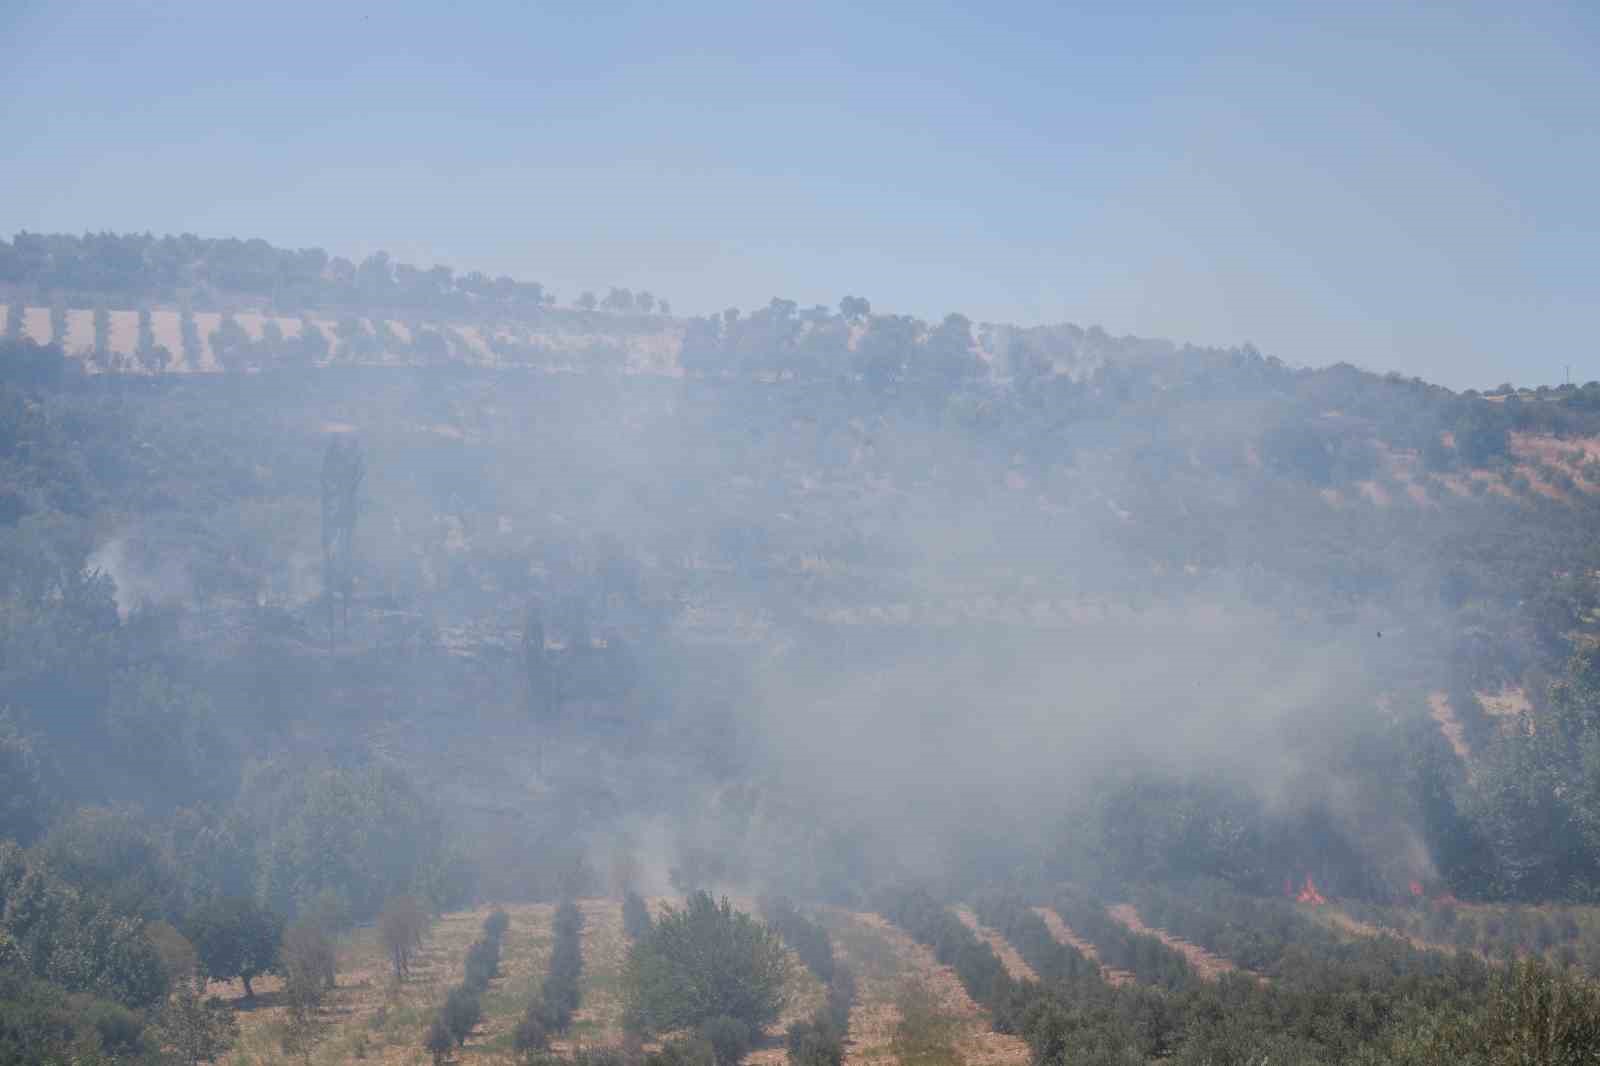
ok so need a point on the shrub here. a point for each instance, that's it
(730, 1039)
(815, 1042)
(530, 1037)
(685, 1051)
(635, 916)
(462, 1010)
(495, 926)
(438, 1040)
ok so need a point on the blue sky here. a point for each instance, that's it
(1404, 187)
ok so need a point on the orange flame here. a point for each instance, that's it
(1309, 894)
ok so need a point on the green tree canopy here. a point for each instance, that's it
(235, 937)
(705, 961)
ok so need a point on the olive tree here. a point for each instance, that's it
(702, 962)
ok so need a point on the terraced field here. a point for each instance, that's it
(885, 959)
(369, 1017)
(1291, 955)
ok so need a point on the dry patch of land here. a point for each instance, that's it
(1507, 707)
(1440, 711)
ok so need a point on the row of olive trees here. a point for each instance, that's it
(463, 1007)
(818, 1040)
(550, 1012)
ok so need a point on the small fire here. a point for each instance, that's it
(1309, 894)
(1416, 889)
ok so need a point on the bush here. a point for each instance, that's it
(462, 1010)
(730, 1040)
(530, 1037)
(438, 1040)
(495, 926)
(483, 964)
(685, 1051)
(815, 1042)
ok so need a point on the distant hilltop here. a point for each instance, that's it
(170, 340)
(142, 304)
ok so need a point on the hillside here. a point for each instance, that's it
(348, 594)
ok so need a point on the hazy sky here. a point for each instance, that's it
(1405, 187)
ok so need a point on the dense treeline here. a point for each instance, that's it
(138, 269)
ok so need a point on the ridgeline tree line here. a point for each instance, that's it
(136, 270)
